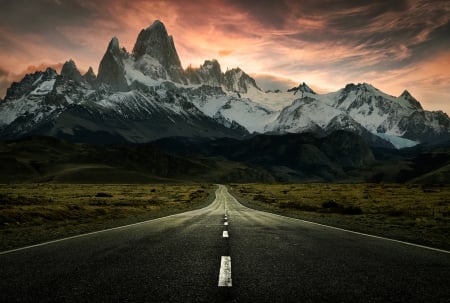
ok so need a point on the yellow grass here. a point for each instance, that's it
(415, 213)
(35, 212)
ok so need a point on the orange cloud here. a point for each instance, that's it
(382, 42)
(225, 52)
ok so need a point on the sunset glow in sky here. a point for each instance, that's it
(393, 45)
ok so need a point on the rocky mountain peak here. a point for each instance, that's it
(89, 76)
(70, 71)
(114, 46)
(211, 73)
(364, 87)
(158, 26)
(111, 69)
(211, 65)
(302, 88)
(29, 83)
(406, 94)
(156, 43)
(237, 80)
(49, 73)
(410, 99)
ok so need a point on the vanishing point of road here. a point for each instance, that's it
(225, 252)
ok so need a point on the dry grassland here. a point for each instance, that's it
(32, 213)
(415, 213)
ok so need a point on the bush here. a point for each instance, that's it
(351, 210)
(103, 195)
(298, 206)
(330, 204)
(334, 207)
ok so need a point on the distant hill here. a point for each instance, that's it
(45, 159)
(340, 157)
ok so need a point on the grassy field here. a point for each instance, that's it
(32, 213)
(415, 213)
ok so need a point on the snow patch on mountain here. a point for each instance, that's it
(244, 111)
(44, 88)
(135, 71)
(302, 114)
(398, 142)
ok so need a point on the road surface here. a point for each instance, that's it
(225, 252)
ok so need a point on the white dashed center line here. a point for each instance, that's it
(226, 223)
(225, 272)
(225, 234)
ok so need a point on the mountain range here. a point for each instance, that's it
(146, 95)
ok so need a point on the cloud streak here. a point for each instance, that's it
(325, 43)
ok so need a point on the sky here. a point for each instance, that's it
(393, 45)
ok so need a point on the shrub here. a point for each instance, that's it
(334, 207)
(330, 204)
(103, 195)
(351, 210)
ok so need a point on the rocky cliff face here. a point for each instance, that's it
(155, 43)
(111, 70)
(70, 71)
(90, 77)
(237, 80)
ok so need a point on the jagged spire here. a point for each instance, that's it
(156, 43)
(303, 88)
(89, 76)
(70, 71)
(111, 70)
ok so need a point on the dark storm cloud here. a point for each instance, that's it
(37, 16)
(267, 12)
(392, 33)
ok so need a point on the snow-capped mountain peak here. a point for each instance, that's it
(302, 89)
(237, 80)
(410, 100)
(145, 95)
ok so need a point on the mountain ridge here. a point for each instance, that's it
(145, 95)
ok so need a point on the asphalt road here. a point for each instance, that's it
(254, 256)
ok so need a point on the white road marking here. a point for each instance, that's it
(226, 223)
(225, 234)
(225, 272)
